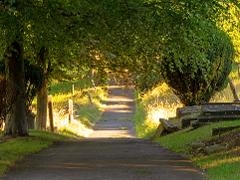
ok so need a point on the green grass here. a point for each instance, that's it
(180, 141)
(225, 172)
(87, 113)
(219, 166)
(87, 106)
(13, 150)
(66, 87)
(144, 129)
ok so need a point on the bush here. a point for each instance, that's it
(197, 61)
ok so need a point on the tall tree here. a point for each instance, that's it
(16, 123)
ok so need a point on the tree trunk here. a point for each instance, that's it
(234, 91)
(42, 99)
(50, 113)
(42, 95)
(16, 121)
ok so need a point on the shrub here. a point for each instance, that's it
(197, 64)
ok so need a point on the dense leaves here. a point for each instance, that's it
(189, 51)
(201, 71)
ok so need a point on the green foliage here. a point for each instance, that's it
(198, 67)
(82, 36)
(230, 23)
(66, 87)
(223, 165)
(142, 128)
(193, 55)
(183, 30)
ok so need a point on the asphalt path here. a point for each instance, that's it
(112, 152)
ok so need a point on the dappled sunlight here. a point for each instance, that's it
(230, 156)
(226, 94)
(155, 114)
(118, 110)
(162, 94)
(115, 106)
(111, 133)
(161, 111)
(117, 103)
(61, 99)
(2, 126)
(86, 111)
(160, 103)
(111, 163)
(120, 106)
(219, 162)
(118, 99)
(75, 127)
(185, 169)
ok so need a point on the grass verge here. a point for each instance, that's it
(160, 102)
(87, 107)
(13, 150)
(223, 165)
(87, 111)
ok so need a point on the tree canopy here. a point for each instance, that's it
(155, 40)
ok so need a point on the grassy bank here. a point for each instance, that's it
(87, 107)
(87, 110)
(14, 149)
(223, 165)
(160, 102)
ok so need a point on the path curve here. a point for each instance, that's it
(112, 152)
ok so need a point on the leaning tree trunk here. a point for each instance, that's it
(16, 122)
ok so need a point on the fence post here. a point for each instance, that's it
(73, 89)
(70, 110)
(50, 113)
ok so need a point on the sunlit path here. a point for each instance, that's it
(112, 152)
(116, 121)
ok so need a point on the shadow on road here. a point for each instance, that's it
(111, 153)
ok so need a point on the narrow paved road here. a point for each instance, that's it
(111, 153)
